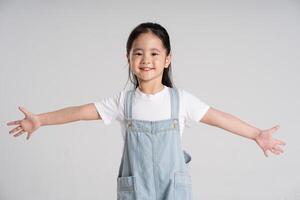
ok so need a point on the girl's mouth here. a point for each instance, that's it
(146, 68)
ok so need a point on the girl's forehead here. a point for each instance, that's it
(148, 40)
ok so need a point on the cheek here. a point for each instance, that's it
(132, 60)
(159, 61)
(136, 61)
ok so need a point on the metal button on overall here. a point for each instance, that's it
(153, 166)
(129, 124)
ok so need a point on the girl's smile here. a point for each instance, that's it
(146, 69)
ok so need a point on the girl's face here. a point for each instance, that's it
(147, 58)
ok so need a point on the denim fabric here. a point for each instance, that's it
(153, 166)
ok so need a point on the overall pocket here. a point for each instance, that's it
(126, 188)
(182, 185)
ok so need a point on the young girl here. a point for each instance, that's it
(152, 115)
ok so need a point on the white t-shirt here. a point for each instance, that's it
(151, 107)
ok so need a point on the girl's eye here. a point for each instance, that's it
(153, 54)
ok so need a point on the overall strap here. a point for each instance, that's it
(128, 104)
(174, 102)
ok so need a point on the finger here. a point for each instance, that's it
(15, 129)
(24, 110)
(265, 152)
(28, 136)
(275, 128)
(273, 150)
(280, 142)
(19, 133)
(14, 122)
(277, 148)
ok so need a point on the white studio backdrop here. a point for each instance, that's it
(241, 57)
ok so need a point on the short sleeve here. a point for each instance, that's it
(195, 108)
(109, 108)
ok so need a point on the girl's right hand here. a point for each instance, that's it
(29, 124)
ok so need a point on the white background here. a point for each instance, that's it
(241, 57)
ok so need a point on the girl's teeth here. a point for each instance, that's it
(146, 69)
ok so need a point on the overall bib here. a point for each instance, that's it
(153, 166)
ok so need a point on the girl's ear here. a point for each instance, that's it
(168, 60)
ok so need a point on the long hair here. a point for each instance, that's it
(162, 34)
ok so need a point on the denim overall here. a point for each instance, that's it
(153, 166)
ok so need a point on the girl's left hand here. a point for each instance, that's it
(266, 142)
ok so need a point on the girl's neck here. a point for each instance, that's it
(151, 89)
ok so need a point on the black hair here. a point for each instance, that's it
(162, 34)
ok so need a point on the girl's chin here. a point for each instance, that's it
(145, 78)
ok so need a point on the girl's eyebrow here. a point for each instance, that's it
(137, 49)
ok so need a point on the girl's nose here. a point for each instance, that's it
(145, 60)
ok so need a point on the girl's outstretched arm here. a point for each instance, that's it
(32, 122)
(234, 125)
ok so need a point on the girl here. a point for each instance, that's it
(152, 115)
